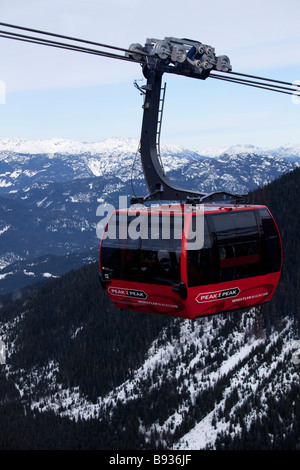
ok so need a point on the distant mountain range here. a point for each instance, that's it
(24, 163)
(115, 145)
(50, 191)
(289, 151)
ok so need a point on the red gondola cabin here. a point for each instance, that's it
(191, 262)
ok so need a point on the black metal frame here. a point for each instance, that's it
(160, 186)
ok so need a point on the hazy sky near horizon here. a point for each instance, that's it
(56, 93)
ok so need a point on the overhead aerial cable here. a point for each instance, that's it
(179, 56)
(61, 36)
(61, 45)
(257, 84)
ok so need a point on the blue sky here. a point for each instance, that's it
(52, 93)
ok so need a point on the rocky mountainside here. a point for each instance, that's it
(80, 374)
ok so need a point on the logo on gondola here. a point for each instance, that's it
(123, 292)
(218, 295)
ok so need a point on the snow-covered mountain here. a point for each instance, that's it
(118, 146)
(111, 146)
(64, 146)
(50, 189)
(24, 163)
(289, 151)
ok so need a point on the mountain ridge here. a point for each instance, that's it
(67, 146)
(119, 157)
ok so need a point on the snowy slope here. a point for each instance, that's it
(224, 372)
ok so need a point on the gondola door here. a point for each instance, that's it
(140, 262)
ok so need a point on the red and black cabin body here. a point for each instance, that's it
(235, 264)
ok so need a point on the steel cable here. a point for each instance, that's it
(70, 38)
(61, 45)
(233, 77)
(256, 84)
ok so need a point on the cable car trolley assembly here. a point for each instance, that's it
(192, 254)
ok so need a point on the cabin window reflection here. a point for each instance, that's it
(231, 250)
(237, 241)
(152, 257)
